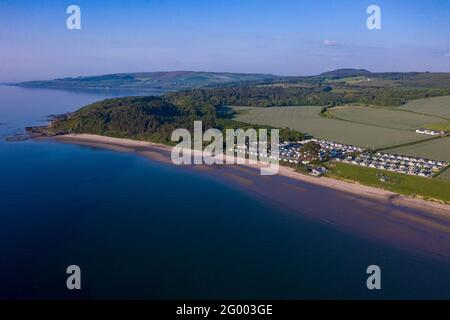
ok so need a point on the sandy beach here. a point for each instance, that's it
(375, 214)
(159, 154)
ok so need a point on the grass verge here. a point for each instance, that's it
(430, 189)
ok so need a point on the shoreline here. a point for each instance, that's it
(335, 184)
(421, 227)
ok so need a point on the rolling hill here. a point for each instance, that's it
(164, 81)
(350, 79)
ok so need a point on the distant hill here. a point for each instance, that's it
(185, 80)
(344, 73)
(389, 79)
(164, 81)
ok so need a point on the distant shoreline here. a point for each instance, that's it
(154, 91)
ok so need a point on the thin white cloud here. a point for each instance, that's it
(331, 42)
(447, 55)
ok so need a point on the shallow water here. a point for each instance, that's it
(140, 229)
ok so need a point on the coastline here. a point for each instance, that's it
(121, 144)
(374, 214)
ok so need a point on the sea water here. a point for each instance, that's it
(142, 229)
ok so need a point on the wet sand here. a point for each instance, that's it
(412, 224)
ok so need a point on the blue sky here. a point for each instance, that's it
(285, 37)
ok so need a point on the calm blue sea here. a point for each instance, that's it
(139, 229)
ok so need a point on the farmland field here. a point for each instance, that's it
(384, 117)
(437, 106)
(438, 149)
(307, 119)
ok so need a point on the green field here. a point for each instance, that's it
(436, 106)
(438, 149)
(308, 119)
(399, 183)
(445, 175)
(365, 81)
(389, 118)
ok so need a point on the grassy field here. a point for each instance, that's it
(307, 119)
(383, 117)
(365, 81)
(436, 106)
(445, 175)
(438, 149)
(399, 183)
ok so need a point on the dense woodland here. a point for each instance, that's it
(148, 118)
(314, 95)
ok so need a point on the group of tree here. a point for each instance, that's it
(146, 118)
(312, 95)
(150, 118)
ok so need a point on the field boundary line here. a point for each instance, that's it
(412, 143)
(447, 168)
(366, 123)
(334, 116)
